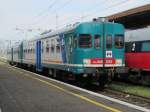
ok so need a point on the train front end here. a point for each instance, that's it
(99, 49)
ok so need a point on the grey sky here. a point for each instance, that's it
(35, 14)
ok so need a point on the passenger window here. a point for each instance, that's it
(58, 49)
(145, 46)
(85, 41)
(75, 43)
(109, 41)
(97, 41)
(128, 47)
(47, 49)
(52, 48)
(119, 41)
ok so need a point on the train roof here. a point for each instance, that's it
(64, 30)
(67, 29)
(137, 35)
(60, 31)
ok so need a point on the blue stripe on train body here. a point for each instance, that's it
(38, 56)
(63, 48)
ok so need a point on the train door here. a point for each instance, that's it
(12, 58)
(99, 44)
(114, 45)
(108, 46)
(38, 56)
(21, 53)
(69, 47)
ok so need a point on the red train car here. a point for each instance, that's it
(137, 55)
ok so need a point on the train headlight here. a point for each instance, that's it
(86, 61)
(118, 61)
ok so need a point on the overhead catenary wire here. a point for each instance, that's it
(43, 14)
(93, 7)
(51, 12)
(67, 3)
(88, 15)
(74, 19)
(55, 12)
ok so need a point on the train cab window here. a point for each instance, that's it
(119, 41)
(109, 41)
(146, 47)
(85, 41)
(97, 41)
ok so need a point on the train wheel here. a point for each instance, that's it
(54, 73)
(50, 72)
(103, 79)
(145, 79)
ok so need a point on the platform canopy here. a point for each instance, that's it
(134, 18)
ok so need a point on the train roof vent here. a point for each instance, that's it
(77, 23)
(100, 19)
(47, 31)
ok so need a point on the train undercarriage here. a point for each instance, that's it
(102, 76)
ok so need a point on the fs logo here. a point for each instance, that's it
(108, 54)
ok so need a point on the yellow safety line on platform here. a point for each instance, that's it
(74, 94)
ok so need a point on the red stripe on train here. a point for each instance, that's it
(138, 60)
(100, 61)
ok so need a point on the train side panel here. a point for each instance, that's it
(16, 54)
(29, 52)
(138, 60)
(64, 52)
(10, 55)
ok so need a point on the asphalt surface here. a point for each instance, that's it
(24, 92)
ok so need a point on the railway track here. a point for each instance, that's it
(139, 100)
(128, 97)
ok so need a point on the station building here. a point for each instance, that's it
(134, 18)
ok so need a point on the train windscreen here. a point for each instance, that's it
(119, 41)
(109, 41)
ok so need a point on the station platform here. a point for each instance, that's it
(23, 91)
